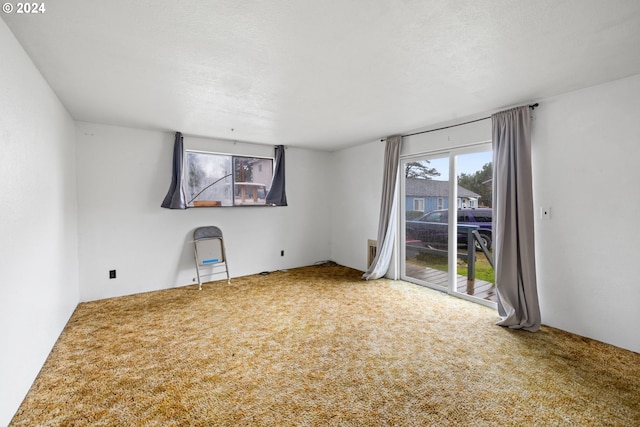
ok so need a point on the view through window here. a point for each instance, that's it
(429, 197)
(214, 179)
(426, 230)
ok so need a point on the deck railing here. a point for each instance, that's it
(473, 236)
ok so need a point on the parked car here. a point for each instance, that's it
(433, 227)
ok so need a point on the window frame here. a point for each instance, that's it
(247, 187)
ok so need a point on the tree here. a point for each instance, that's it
(420, 169)
(243, 169)
(194, 163)
(480, 183)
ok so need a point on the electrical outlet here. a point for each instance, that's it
(112, 274)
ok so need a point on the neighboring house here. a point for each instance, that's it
(262, 171)
(425, 195)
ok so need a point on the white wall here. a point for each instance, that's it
(355, 206)
(123, 176)
(38, 222)
(455, 137)
(586, 157)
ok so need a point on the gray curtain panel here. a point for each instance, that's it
(277, 195)
(388, 211)
(175, 198)
(514, 248)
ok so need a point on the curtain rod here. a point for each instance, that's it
(531, 106)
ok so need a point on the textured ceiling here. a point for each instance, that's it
(321, 73)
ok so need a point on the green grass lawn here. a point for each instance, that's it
(484, 271)
(436, 262)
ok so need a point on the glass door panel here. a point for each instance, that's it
(426, 235)
(475, 276)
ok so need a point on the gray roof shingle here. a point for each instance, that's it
(419, 187)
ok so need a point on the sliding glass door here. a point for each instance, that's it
(426, 232)
(475, 276)
(446, 222)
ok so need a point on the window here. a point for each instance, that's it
(214, 179)
(418, 205)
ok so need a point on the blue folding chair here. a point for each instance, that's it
(208, 247)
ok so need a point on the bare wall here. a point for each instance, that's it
(38, 222)
(123, 175)
(355, 202)
(586, 154)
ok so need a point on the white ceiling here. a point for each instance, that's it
(321, 74)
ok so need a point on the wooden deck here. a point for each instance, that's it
(479, 288)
